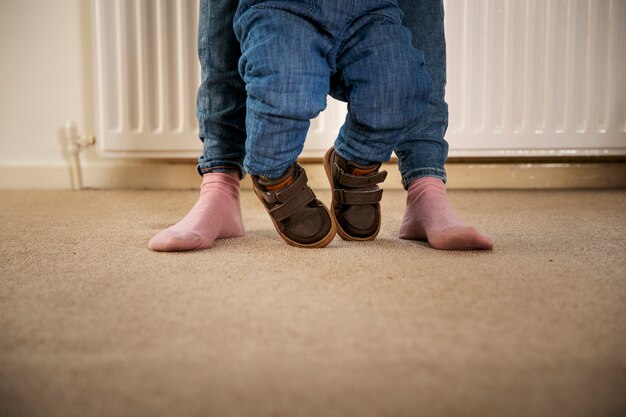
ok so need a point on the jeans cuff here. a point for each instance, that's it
(342, 153)
(411, 176)
(221, 166)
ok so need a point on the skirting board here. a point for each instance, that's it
(182, 175)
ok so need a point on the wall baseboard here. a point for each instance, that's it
(182, 175)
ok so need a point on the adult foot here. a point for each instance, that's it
(429, 216)
(216, 215)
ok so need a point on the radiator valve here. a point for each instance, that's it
(75, 143)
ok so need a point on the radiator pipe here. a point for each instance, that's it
(75, 143)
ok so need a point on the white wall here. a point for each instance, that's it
(45, 80)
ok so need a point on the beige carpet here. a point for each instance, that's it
(94, 324)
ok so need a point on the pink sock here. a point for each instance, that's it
(216, 215)
(429, 216)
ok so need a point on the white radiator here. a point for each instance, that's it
(525, 78)
(146, 77)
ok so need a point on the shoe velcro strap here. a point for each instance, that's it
(289, 208)
(287, 193)
(290, 191)
(357, 181)
(356, 198)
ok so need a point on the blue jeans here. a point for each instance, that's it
(296, 52)
(422, 150)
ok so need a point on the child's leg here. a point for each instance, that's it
(422, 151)
(221, 115)
(387, 88)
(287, 79)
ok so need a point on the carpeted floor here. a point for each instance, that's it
(94, 324)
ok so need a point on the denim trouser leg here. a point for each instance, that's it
(221, 108)
(286, 76)
(423, 151)
(383, 78)
(287, 62)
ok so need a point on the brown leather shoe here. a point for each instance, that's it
(298, 216)
(356, 196)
